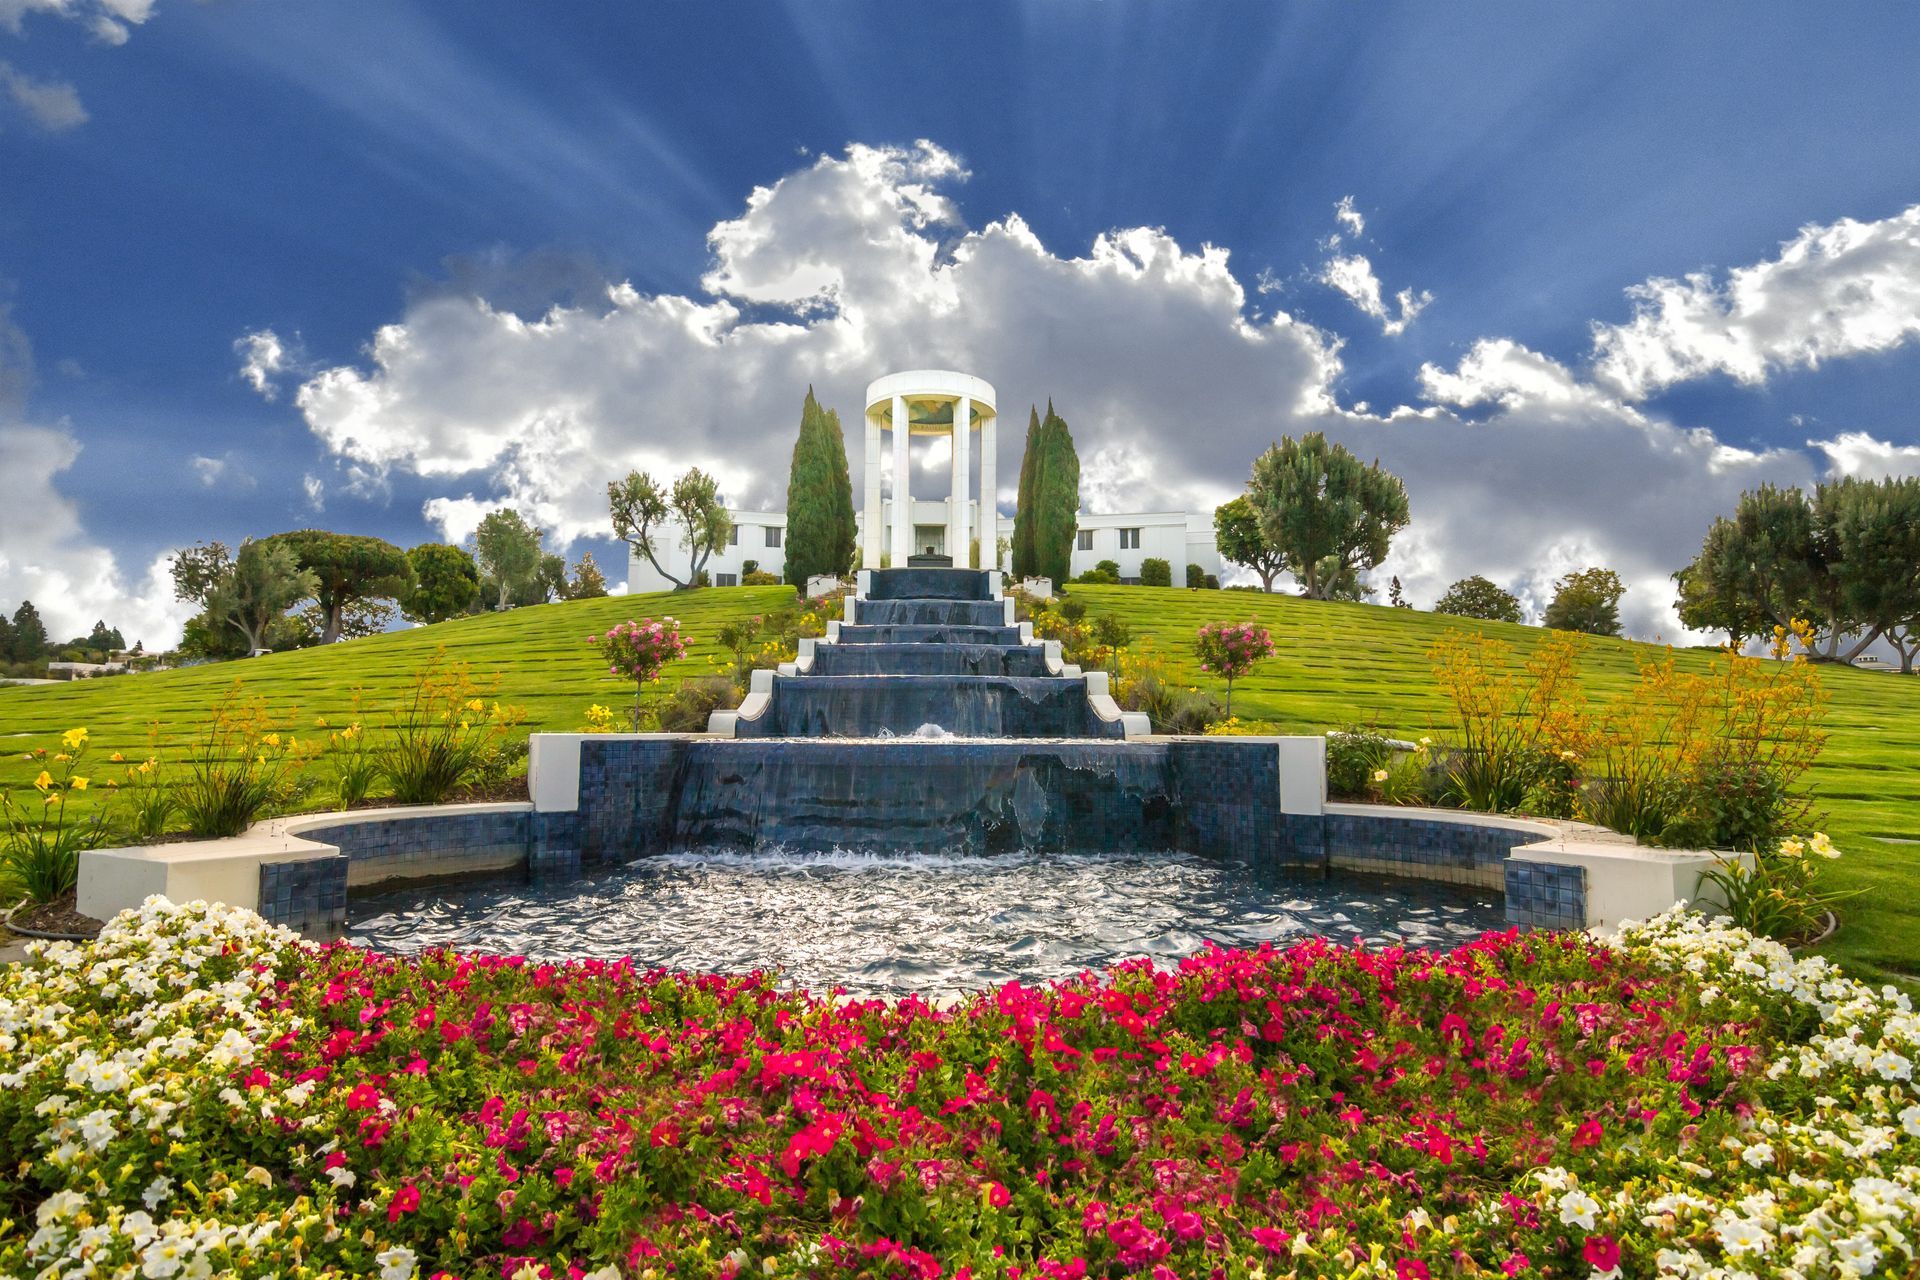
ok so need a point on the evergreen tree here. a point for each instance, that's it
(1023, 508)
(6, 638)
(29, 634)
(820, 528)
(588, 582)
(1056, 499)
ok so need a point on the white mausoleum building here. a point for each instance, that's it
(936, 403)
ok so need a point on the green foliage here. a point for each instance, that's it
(507, 548)
(1776, 892)
(244, 764)
(248, 592)
(643, 511)
(1354, 755)
(1325, 513)
(445, 733)
(28, 635)
(43, 836)
(1111, 634)
(820, 522)
(1477, 597)
(1239, 539)
(687, 706)
(759, 578)
(1155, 572)
(446, 582)
(1586, 600)
(1196, 577)
(1047, 515)
(346, 568)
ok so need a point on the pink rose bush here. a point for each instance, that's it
(1230, 649)
(198, 1093)
(639, 651)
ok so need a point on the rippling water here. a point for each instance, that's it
(937, 924)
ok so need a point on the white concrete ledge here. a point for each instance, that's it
(228, 870)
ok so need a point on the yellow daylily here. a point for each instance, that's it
(78, 784)
(116, 757)
(44, 781)
(74, 739)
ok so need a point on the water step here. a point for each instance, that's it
(935, 613)
(928, 659)
(929, 584)
(927, 634)
(930, 797)
(965, 706)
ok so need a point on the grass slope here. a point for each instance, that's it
(1335, 664)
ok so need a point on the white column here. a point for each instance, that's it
(902, 484)
(989, 507)
(957, 522)
(870, 541)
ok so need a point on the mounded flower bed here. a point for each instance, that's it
(198, 1093)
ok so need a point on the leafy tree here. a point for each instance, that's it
(588, 582)
(1196, 577)
(1394, 595)
(1023, 505)
(248, 592)
(820, 527)
(347, 568)
(642, 512)
(358, 620)
(1110, 635)
(29, 634)
(1478, 597)
(1717, 591)
(6, 638)
(1328, 514)
(104, 638)
(1869, 537)
(1587, 600)
(1236, 532)
(507, 547)
(1155, 572)
(446, 582)
(1056, 499)
(549, 583)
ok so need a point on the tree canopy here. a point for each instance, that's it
(346, 568)
(820, 526)
(248, 591)
(446, 582)
(588, 582)
(1478, 597)
(643, 511)
(29, 634)
(1586, 600)
(1237, 535)
(1327, 514)
(507, 547)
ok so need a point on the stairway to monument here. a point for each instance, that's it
(929, 653)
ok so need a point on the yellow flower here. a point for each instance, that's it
(78, 784)
(319, 722)
(44, 781)
(116, 757)
(146, 766)
(272, 739)
(112, 782)
(74, 739)
(53, 797)
(1379, 775)
(476, 705)
(62, 757)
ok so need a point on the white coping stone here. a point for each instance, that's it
(1026, 633)
(833, 632)
(1007, 601)
(862, 583)
(1055, 662)
(1303, 774)
(821, 584)
(1097, 684)
(993, 584)
(228, 870)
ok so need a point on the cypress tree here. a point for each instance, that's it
(1056, 499)
(820, 527)
(1023, 508)
(29, 633)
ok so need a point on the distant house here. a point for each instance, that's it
(84, 670)
(1180, 538)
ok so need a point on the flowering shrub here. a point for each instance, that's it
(247, 762)
(353, 759)
(639, 650)
(446, 732)
(1779, 895)
(41, 842)
(1229, 650)
(197, 1093)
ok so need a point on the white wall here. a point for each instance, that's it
(1174, 536)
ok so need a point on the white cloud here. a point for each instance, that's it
(316, 491)
(209, 469)
(54, 105)
(263, 358)
(859, 264)
(118, 13)
(1352, 275)
(1348, 217)
(1855, 453)
(1837, 290)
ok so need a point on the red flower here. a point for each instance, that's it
(1411, 1269)
(1603, 1252)
(405, 1200)
(664, 1134)
(998, 1196)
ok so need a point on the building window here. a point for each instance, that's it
(1129, 539)
(726, 579)
(1086, 540)
(733, 536)
(773, 535)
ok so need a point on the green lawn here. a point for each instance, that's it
(1336, 664)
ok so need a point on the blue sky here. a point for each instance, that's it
(195, 173)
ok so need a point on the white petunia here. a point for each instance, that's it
(396, 1263)
(1577, 1209)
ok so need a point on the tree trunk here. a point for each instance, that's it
(1266, 580)
(331, 632)
(505, 588)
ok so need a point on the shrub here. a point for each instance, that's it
(1141, 683)
(1213, 582)
(446, 734)
(1155, 572)
(246, 763)
(1196, 577)
(40, 857)
(1354, 755)
(1098, 577)
(1510, 723)
(759, 578)
(354, 761)
(685, 710)
(1230, 650)
(639, 651)
(748, 568)
(1779, 895)
(1111, 634)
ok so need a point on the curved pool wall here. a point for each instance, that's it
(883, 755)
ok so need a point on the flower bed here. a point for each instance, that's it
(199, 1093)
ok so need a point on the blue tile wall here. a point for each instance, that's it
(1227, 794)
(1422, 845)
(627, 793)
(1546, 895)
(426, 844)
(308, 896)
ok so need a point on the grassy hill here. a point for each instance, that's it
(1336, 664)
